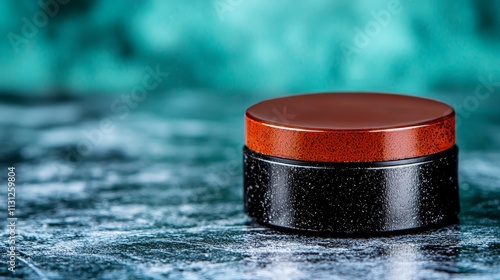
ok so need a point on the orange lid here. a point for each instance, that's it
(349, 127)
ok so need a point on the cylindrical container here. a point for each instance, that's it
(350, 163)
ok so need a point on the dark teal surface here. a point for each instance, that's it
(161, 197)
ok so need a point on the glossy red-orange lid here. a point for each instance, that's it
(349, 127)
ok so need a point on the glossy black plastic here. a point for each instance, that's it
(352, 198)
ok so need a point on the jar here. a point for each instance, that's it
(351, 163)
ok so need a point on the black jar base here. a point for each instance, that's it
(352, 199)
(454, 221)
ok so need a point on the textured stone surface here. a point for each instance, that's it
(161, 197)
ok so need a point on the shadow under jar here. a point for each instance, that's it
(351, 163)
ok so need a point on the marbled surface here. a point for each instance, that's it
(160, 197)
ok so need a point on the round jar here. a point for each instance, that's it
(351, 163)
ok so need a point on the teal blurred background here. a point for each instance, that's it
(253, 50)
(242, 46)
